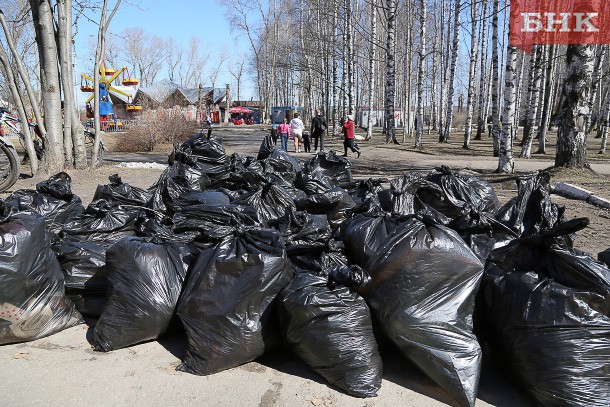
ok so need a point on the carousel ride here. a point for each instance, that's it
(109, 82)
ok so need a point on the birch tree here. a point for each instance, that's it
(571, 137)
(474, 53)
(495, 87)
(390, 80)
(372, 73)
(451, 90)
(419, 117)
(505, 162)
(546, 115)
(534, 103)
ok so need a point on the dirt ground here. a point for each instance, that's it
(62, 369)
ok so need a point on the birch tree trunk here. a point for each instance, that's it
(534, 103)
(606, 125)
(11, 82)
(24, 76)
(373, 41)
(505, 162)
(597, 74)
(495, 79)
(50, 84)
(571, 138)
(64, 42)
(409, 76)
(481, 119)
(390, 80)
(546, 115)
(351, 63)
(445, 135)
(335, 73)
(471, 74)
(419, 117)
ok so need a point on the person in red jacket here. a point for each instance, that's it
(349, 135)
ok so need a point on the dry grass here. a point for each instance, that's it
(164, 129)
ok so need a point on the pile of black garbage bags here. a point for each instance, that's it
(246, 254)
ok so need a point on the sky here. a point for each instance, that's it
(180, 19)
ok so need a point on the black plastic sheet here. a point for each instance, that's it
(270, 201)
(328, 325)
(145, 279)
(424, 282)
(32, 300)
(549, 308)
(226, 305)
(336, 203)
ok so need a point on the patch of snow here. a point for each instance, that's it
(155, 166)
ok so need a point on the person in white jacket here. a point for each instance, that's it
(296, 128)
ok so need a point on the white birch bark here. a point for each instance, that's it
(390, 79)
(505, 161)
(372, 57)
(481, 119)
(474, 53)
(571, 137)
(530, 121)
(454, 56)
(495, 79)
(419, 117)
(546, 115)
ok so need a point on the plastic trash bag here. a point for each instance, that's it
(532, 210)
(145, 279)
(481, 231)
(336, 203)
(102, 221)
(404, 196)
(226, 305)
(281, 168)
(549, 308)
(313, 184)
(270, 202)
(366, 232)
(458, 190)
(122, 192)
(84, 267)
(32, 300)
(328, 325)
(604, 257)
(211, 223)
(53, 200)
(422, 292)
(365, 193)
(266, 148)
(329, 164)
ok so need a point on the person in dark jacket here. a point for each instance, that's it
(318, 127)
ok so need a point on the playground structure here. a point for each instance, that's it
(109, 76)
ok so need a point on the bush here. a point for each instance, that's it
(165, 128)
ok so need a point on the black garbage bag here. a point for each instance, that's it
(532, 210)
(366, 193)
(208, 197)
(32, 300)
(84, 267)
(146, 278)
(313, 184)
(458, 190)
(282, 155)
(270, 202)
(481, 231)
(339, 169)
(167, 190)
(604, 257)
(404, 196)
(336, 203)
(122, 192)
(281, 168)
(226, 305)
(366, 232)
(328, 325)
(549, 308)
(211, 223)
(266, 148)
(102, 221)
(53, 200)
(422, 293)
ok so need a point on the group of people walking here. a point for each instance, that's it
(302, 139)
